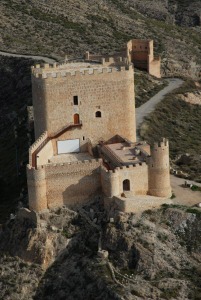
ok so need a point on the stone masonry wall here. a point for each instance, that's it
(141, 53)
(112, 181)
(68, 184)
(71, 184)
(45, 153)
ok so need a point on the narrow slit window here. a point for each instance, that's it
(75, 100)
(98, 114)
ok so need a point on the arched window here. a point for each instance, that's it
(98, 114)
(126, 185)
(76, 118)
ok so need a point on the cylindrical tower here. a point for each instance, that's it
(37, 188)
(110, 182)
(159, 170)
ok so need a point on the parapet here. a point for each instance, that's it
(161, 144)
(44, 73)
(36, 145)
(130, 167)
(67, 168)
(35, 175)
(79, 162)
(73, 167)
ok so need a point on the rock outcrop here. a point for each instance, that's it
(155, 255)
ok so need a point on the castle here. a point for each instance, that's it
(84, 118)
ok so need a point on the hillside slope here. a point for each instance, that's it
(67, 27)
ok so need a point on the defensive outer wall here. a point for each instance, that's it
(146, 178)
(53, 185)
(139, 52)
(68, 184)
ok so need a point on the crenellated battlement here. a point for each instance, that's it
(48, 72)
(116, 58)
(77, 164)
(123, 168)
(161, 144)
(35, 146)
(42, 138)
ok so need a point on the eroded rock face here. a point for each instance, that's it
(192, 98)
(184, 13)
(153, 255)
(37, 238)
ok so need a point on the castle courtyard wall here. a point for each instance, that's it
(112, 181)
(70, 184)
(136, 204)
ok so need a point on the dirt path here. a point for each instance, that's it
(149, 106)
(184, 196)
(36, 57)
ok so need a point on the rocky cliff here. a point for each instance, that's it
(152, 256)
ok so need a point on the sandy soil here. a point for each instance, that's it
(184, 196)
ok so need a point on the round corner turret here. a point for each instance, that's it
(159, 170)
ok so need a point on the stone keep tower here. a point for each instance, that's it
(159, 170)
(99, 98)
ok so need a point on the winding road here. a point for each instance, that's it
(149, 106)
(36, 57)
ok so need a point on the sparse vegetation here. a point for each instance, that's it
(172, 293)
(146, 86)
(59, 27)
(180, 122)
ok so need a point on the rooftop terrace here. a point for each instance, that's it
(122, 154)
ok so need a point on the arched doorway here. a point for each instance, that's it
(76, 119)
(126, 185)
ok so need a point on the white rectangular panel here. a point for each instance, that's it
(68, 146)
